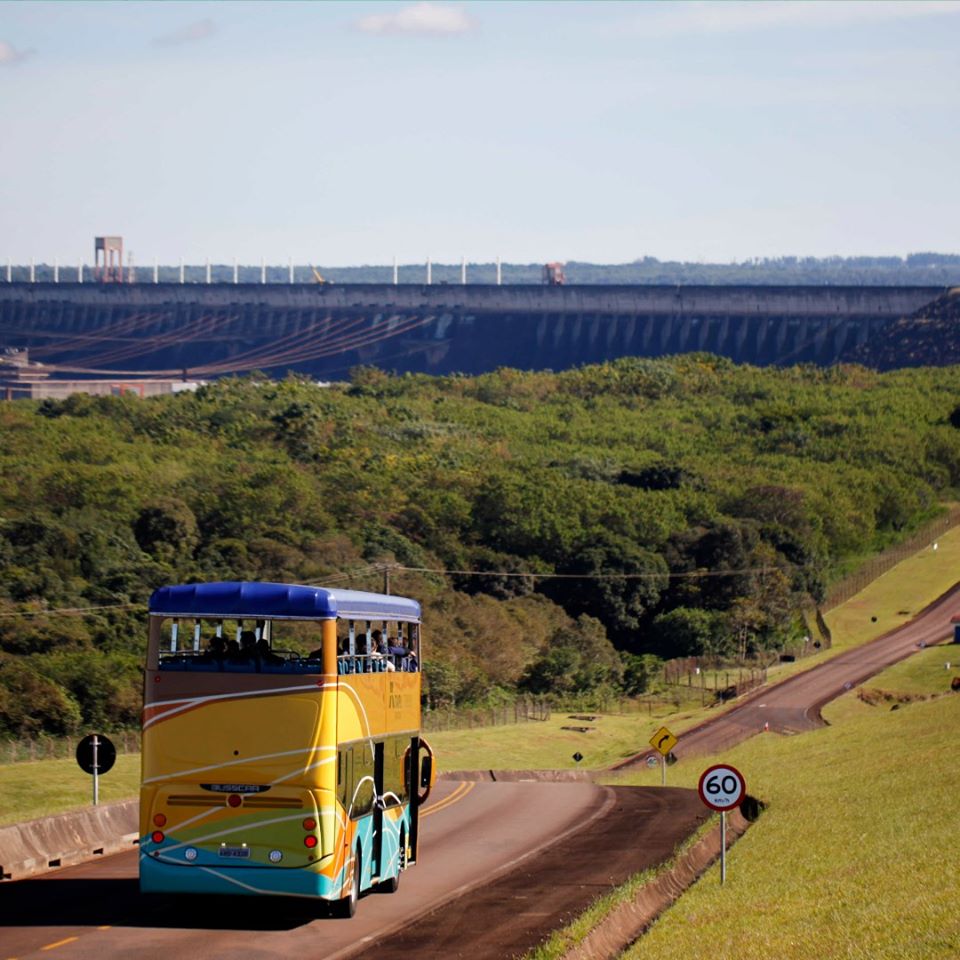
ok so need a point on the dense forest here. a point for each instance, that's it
(915, 269)
(561, 529)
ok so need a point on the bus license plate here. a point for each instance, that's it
(235, 852)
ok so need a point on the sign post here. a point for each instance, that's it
(721, 788)
(96, 754)
(663, 741)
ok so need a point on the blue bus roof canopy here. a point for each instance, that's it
(266, 601)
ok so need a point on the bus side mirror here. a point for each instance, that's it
(426, 772)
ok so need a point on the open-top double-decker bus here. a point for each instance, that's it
(281, 741)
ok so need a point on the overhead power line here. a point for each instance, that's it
(70, 611)
(376, 569)
(530, 574)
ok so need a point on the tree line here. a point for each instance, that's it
(922, 269)
(564, 531)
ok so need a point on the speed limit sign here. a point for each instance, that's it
(721, 787)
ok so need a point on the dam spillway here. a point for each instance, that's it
(324, 329)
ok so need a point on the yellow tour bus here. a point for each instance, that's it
(281, 742)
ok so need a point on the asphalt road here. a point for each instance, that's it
(501, 863)
(473, 833)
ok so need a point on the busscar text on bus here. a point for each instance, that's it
(281, 742)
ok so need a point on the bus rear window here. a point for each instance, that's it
(241, 646)
(285, 646)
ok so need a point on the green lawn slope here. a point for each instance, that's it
(42, 788)
(855, 855)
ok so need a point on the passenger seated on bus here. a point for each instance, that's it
(216, 649)
(233, 648)
(265, 654)
(396, 649)
(380, 655)
(248, 645)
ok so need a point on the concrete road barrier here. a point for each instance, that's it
(41, 845)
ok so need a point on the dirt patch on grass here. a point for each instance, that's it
(881, 698)
(884, 698)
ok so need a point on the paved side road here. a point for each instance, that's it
(794, 705)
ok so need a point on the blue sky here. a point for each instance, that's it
(346, 133)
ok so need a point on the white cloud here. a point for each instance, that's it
(425, 19)
(10, 55)
(198, 30)
(740, 17)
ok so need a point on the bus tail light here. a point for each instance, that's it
(309, 824)
(159, 820)
(157, 836)
(310, 841)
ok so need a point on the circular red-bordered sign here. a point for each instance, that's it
(722, 787)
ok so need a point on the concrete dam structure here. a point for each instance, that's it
(206, 330)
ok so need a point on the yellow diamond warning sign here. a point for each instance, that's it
(663, 740)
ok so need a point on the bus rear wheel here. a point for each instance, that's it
(392, 885)
(346, 907)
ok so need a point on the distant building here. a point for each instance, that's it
(20, 378)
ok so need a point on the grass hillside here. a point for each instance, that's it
(898, 595)
(855, 855)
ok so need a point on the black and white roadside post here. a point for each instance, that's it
(96, 754)
(721, 788)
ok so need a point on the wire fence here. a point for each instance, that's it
(661, 703)
(878, 565)
(61, 748)
(453, 718)
(712, 682)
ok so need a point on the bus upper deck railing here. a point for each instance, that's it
(191, 662)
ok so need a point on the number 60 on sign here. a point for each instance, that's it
(721, 787)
